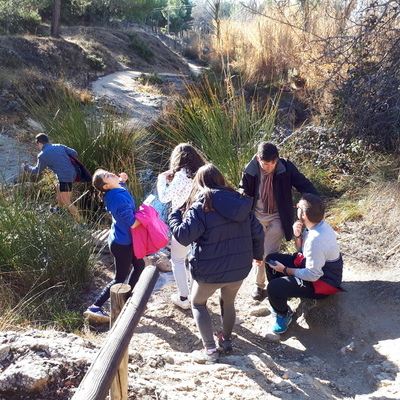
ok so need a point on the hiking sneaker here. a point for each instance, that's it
(259, 294)
(282, 322)
(205, 356)
(176, 299)
(57, 210)
(96, 314)
(225, 344)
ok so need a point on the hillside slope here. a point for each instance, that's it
(345, 348)
(83, 54)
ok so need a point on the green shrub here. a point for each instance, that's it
(18, 21)
(102, 137)
(42, 256)
(152, 79)
(141, 48)
(96, 62)
(38, 246)
(217, 119)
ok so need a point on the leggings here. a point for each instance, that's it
(178, 256)
(123, 259)
(200, 293)
(282, 287)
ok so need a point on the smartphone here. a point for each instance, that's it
(272, 262)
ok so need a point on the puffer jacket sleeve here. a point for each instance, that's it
(188, 230)
(257, 234)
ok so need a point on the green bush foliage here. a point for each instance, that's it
(141, 47)
(17, 20)
(102, 137)
(95, 62)
(38, 246)
(42, 256)
(152, 79)
(216, 118)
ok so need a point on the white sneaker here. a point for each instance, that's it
(176, 299)
(204, 356)
(96, 314)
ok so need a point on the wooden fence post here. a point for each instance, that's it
(97, 381)
(119, 294)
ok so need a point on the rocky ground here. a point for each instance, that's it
(345, 347)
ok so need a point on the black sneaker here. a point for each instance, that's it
(225, 344)
(57, 210)
(259, 294)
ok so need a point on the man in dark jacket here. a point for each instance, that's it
(269, 180)
(56, 157)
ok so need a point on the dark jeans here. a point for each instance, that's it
(123, 259)
(282, 287)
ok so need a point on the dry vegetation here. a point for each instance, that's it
(287, 50)
(329, 52)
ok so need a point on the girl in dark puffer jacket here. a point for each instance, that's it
(225, 238)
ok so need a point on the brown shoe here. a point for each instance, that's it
(259, 294)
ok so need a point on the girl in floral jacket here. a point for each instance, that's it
(174, 186)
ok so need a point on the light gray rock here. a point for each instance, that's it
(31, 360)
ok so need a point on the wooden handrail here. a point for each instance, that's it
(97, 381)
(119, 295)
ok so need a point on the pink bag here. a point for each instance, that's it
(151, 235)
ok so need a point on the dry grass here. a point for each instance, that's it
(378, 202)
(285, 46)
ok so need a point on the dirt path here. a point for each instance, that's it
(345, 347)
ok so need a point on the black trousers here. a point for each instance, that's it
(123, 259)
(282, 287)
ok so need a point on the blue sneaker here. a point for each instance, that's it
(282, 322)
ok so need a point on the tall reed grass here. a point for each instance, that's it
(101, 135)
(216, 118)
(41, 255)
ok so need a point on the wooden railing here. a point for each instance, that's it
(98, 379)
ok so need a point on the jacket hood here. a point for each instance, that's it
(232, 205)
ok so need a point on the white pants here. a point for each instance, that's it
(178, 257)
(273, 233)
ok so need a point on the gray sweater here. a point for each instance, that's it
(56, 157)
(319, 247)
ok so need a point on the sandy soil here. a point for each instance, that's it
(343, 347)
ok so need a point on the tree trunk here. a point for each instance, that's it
(55, 19)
